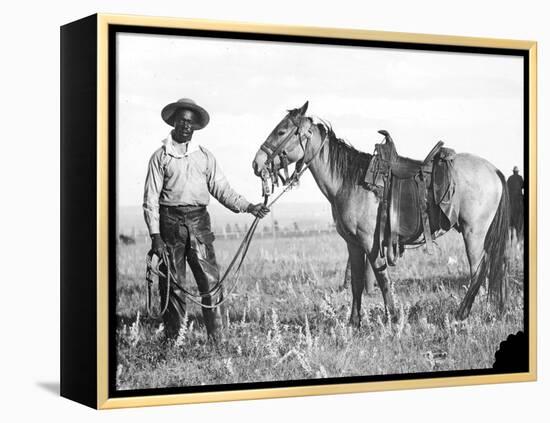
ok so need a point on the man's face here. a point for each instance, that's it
(183, 125)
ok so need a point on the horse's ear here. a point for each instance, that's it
(303, 109)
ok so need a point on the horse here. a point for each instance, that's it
(339, 171)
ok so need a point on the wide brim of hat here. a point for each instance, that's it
(202, 115)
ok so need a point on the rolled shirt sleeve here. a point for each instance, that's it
(219, 187)
(152, 191)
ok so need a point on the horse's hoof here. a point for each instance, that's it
(462, 313)
(395, 319)
(355, 322)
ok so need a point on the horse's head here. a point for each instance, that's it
(284, 143)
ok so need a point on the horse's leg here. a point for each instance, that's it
(347, 275)
(369, 276)
(474, 239)
(386, 286)
(357, 261)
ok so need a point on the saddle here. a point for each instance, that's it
(409, 189)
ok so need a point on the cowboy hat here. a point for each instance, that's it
(201, 116)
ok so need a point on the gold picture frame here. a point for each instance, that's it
(85, 49)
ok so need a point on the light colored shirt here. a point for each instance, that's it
(175, 179)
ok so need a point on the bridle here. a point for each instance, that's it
(270, 174)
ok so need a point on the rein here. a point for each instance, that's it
(267, 189)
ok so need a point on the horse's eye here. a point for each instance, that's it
(280, 133)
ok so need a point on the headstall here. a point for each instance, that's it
(271, 173)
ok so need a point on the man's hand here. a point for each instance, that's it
(258, 210)
(157, 245)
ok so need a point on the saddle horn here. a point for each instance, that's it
(386, 135)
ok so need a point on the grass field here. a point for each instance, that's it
(288, 319)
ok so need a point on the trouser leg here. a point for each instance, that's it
(202, 261)
(175, 313)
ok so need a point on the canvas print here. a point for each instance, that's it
(291, 211)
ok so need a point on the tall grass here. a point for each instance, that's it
(288, 319)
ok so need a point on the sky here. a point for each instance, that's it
(472, 102)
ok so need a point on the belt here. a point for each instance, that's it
(183, 211)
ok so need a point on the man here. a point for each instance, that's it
(515, 189)
(180, 179)
(515, 184)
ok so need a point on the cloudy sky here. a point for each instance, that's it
(472, 102)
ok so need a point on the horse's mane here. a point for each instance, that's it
(344, 160)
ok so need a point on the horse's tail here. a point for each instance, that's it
(494, 264)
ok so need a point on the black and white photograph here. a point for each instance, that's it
(302, 211)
